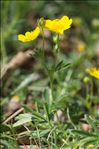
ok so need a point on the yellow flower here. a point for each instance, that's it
(81, 46)
(15, 98)
(94, 72)
(29, 36)
(58, 25)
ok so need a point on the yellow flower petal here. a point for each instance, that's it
(58, 25)
(29, 36)
(35, 33)
(93, 72)
(21, 37)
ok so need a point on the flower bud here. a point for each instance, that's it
(86, 80)
(41, 22)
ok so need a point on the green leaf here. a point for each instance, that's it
(40, 133)
(27, 109)
(87, 141)
(46, 94)
(22, 119)
(61, 65)
(38, 116)
(92, 123)
(83, 134)
(4, 128)
(30, 78)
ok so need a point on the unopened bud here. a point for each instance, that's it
(86, 80)
(41, 22)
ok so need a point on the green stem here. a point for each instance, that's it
(43, 55)
(92, 92)
(52, 75)
(92, 88)
(58, 50)
(87, 97)
(58, 41)
(51, 85)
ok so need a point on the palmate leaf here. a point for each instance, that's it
(61, 65)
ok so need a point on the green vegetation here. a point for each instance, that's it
(48, 98)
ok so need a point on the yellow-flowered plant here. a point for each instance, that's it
(29, 36)
(15, 98)
(81, 46)
(93, 72)
(58, 25)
